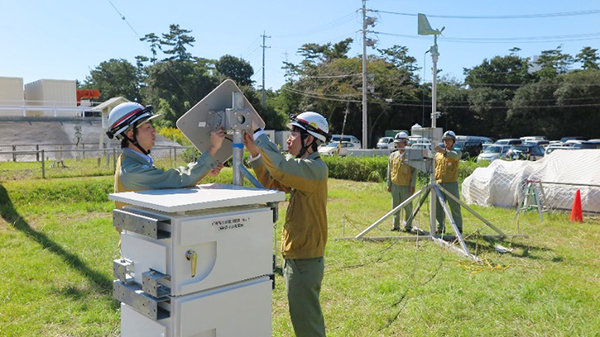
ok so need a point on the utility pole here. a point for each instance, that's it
(364, 76)
(263, 68)
(367, 21)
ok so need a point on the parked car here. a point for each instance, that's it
(591, 144)
(539, 142)
(531, 138)
(426, 147)
(525, 152)
(553, 147)
(334, 148)
(480, 139)
(385, 143)
(565, 139)
(492, 153)
(574, 143)
(485, 146)
(347, 138)
(416, 139)
(509, 141)
(468, 149)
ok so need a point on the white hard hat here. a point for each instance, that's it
(401, 137)
(126, 116)
(313, 123)
(449, 135)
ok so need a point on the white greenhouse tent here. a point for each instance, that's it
(561, 174)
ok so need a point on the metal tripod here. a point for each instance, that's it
(439, 192)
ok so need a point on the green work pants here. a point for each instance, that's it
(399, 194)
(452, 188)
(303, 283)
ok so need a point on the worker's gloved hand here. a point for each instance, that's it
(216, 140)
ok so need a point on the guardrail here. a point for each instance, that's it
(79, 161)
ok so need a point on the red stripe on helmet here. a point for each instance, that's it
(127, 116)
(308, 125)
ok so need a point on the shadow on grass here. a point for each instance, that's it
(522, 250)
(10, 214)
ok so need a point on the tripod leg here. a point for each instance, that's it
(394, 211)
(416, 210)
(471, 210)
(454, 227)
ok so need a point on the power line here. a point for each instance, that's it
(253, 53)
(251, 44)
(334, 76)
(501, 17)
(324, 95)
(531, 39)
(124, 19)
(318, 96)
(533, 83)
(150, 49)
(406, 103)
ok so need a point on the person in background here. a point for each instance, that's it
(446, 175)
(303, 175)
(401, 180)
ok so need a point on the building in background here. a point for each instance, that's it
(43, 98)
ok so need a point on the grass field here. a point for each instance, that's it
(57, 244)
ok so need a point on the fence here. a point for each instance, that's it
(70, 160)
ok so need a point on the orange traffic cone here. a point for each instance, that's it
(576, 210)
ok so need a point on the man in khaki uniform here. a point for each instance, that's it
(446, 175)
(401, 180)
(303, 175)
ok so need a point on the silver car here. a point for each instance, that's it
(492, 153)
(385, 143)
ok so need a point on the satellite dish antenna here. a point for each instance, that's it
(225, 107)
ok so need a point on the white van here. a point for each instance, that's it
(347, 138)
(531, 138)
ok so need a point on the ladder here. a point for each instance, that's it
(533, 197)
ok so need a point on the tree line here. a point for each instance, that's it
(505, 96)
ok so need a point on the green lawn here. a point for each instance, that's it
(57, 244)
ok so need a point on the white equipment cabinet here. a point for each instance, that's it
(196, 261)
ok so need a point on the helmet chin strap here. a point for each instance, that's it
(135, 142)
(304, 148)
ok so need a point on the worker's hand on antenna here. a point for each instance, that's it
(250, 144)
(216, 140)
(215, 172)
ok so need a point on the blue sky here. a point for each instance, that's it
(66, 39)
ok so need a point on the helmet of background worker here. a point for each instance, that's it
(314, 124)
(127, 116)
(401, 137)
(449, 135)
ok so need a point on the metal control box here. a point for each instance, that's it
(242, 309)
(196, 261)
(204, 250)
